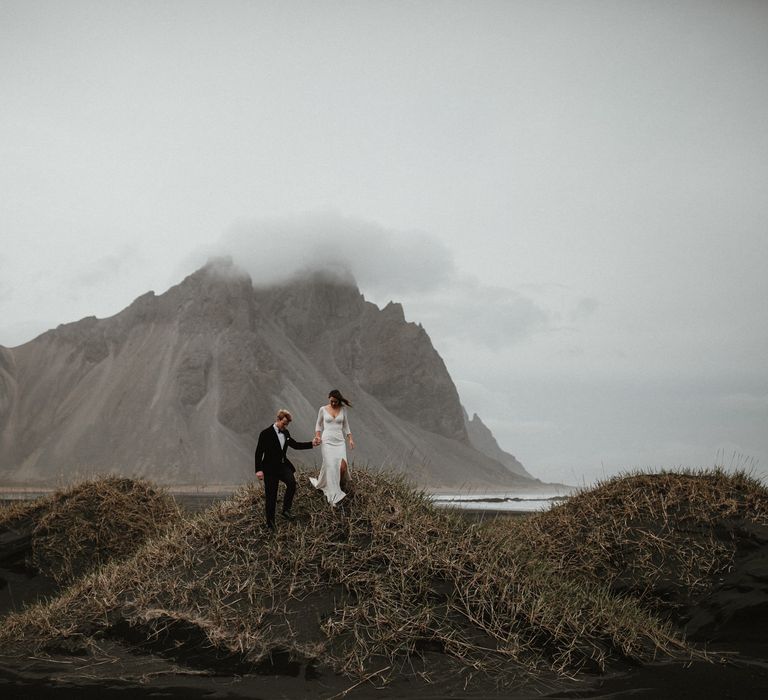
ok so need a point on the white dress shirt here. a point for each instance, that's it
(280, 436)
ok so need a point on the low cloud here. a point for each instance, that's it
(414, 268)
(383, 261)
(584, 309)
(106, 269)
(490, 316)
(102, 283)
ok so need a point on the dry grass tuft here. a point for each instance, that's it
(662, 538)
(387, 579)
(78, 529)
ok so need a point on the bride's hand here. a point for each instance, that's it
(351, 443)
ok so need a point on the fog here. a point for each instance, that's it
(381, 261)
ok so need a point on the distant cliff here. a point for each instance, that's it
(176, 387)
(482, 439)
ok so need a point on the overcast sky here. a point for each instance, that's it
(569, 196)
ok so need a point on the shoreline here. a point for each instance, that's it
(198, 500)
(197, 503)
(728, 655)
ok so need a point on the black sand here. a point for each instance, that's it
(730, 622)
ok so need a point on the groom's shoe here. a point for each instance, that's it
(287, 515)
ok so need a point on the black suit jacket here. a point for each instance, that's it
(269, 456)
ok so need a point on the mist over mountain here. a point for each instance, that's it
(176, 387)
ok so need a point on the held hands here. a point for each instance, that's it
(316, 441)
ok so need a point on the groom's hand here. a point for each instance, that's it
(260, 476)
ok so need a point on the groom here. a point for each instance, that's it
(272, 466)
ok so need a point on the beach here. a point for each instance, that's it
(726, 626)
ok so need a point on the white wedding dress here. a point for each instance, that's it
(334, 449)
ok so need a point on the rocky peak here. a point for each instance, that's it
(184, 380)
(482, 439)
(327, 317)
(217, 296)
(393, 311)
(7, 387)
(310, 305)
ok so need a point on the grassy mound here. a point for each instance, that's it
(78, 529)
(662, 538)
(367, 590)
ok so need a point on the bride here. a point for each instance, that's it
(331, 431)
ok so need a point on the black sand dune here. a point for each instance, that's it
(647, 586)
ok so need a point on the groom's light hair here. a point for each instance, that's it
(283, 412)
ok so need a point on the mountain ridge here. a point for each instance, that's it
(176, 386)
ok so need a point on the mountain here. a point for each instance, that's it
(482, 439)
(176, 387)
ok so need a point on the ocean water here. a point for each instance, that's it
(22, 495)
(500, 502)
(515, 502)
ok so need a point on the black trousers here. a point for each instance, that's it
(272, 478)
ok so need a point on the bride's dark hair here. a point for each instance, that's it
(336, 394)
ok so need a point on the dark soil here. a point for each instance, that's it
(729, 621)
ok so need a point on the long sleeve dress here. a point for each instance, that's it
(334, 450)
